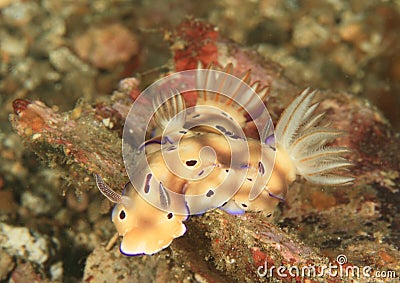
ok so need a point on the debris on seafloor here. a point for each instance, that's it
(7, 264)
(19, 241)
(34, 248)
(218, 246)
(106, 47)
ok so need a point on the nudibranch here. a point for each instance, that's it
(199, 158)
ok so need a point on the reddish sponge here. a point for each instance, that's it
(194, 41)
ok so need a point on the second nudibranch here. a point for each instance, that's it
(299, 149)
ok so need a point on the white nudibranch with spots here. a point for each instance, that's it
(197, 159)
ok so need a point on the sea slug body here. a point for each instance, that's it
(200, 159)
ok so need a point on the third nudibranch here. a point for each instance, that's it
(151, 214)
